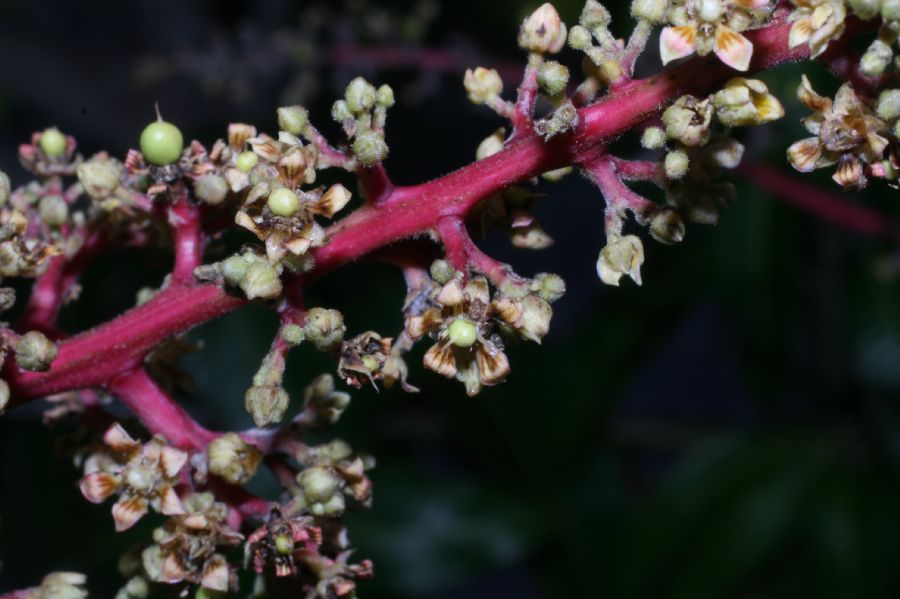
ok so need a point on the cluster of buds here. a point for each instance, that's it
(846, 132)
(141, 475)
(881, 52)
(469, 328)
(705, 26)
(362, 113)
(57, 585)
(333, 473)
(186, 547)
(323, 405)
(232, 458)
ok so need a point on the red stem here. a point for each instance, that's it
(159, 412)
(185, 222)
(375, 183)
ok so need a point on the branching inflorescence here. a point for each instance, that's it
(465, 307)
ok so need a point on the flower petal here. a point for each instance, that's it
(117, 438)
(169, 502)
(733, 49)
(440, 359)
(126, 512)
(800, 33)
(215, 573)
(752, 4)
(493, 365)
(810, 98)
(99, 486)
(172, 460)
(677, 42)
(804, 155)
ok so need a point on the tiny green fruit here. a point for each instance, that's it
(245, 161)
(161, 143)
(53, 143)
(283, 202)
(462, 332)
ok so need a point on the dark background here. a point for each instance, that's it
(730, 429)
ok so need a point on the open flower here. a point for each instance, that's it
(744, 102)
(185, 548)
(705, 26)
(363, 358)
(816, 22)
(277, 541)
(845, 131)
(143, 476)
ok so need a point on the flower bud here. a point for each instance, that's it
(261, 280)
(653, 138)
(890, 10)
(53, 210)
(7, 298)
(266, 404)
(677, 164)
(385, 96)
(688, 120)
(61, 585)
(234, 268)
(549, 286)
(594, 15)
(534, 323)
(369, 148)
(553, 78)
(360, 95)
(864, 9)
(876, 59)
(293, 119)
(35, 352)
(340, 112)
(888, 107)
(482, 84)
(491, 144)
(211, 188)
(293, 334)
(621, 256)
(318, 483)
(4, 395)
(667, 227)
(99, 176)
(441, 272)
(5, 188)
(135, 588)
(653, 11)
(324, 328)
(744, 102)
(543, 31)
(579, 38)
(233, 459)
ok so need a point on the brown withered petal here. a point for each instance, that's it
(196, 521)
(810, 98)
(507, 309)
(332, 201)
(266, 147)
(239, 134)
(440, 359)
(215, 574)
(237, 179)
(418, 326)
(804, 155)
(493, 366)
(477, 290)
(126, 512)
(99, 486)
(172, 570)
(451, 294)
(849, 172)
(169, 502)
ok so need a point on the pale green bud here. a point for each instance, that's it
(234, 268)
(889, 105)
(876, 59)
(233, 459)
(482, 84)
(211, 188)
(293, 119)
(621, 256)
(5, 188)
(340, 112)
(594, 15)
(653, 11)
(318, 483)
(441, 272)
(324, 328)
(293, 334)
(360, 95)
(369, 148)
(266, 404)
(653, 138)
(53, 210)
(543, 31)
(553, 77)
(35, 352)
(676, 164)
(579, 38)
(864, 9)
(385, 96)
(549, 286)
(261, 280)
(99, 177)
(490, 145)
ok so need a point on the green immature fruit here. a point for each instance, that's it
(462, 332)
(53, 143)
(283, 202)
(161, 143)
(245, 161)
